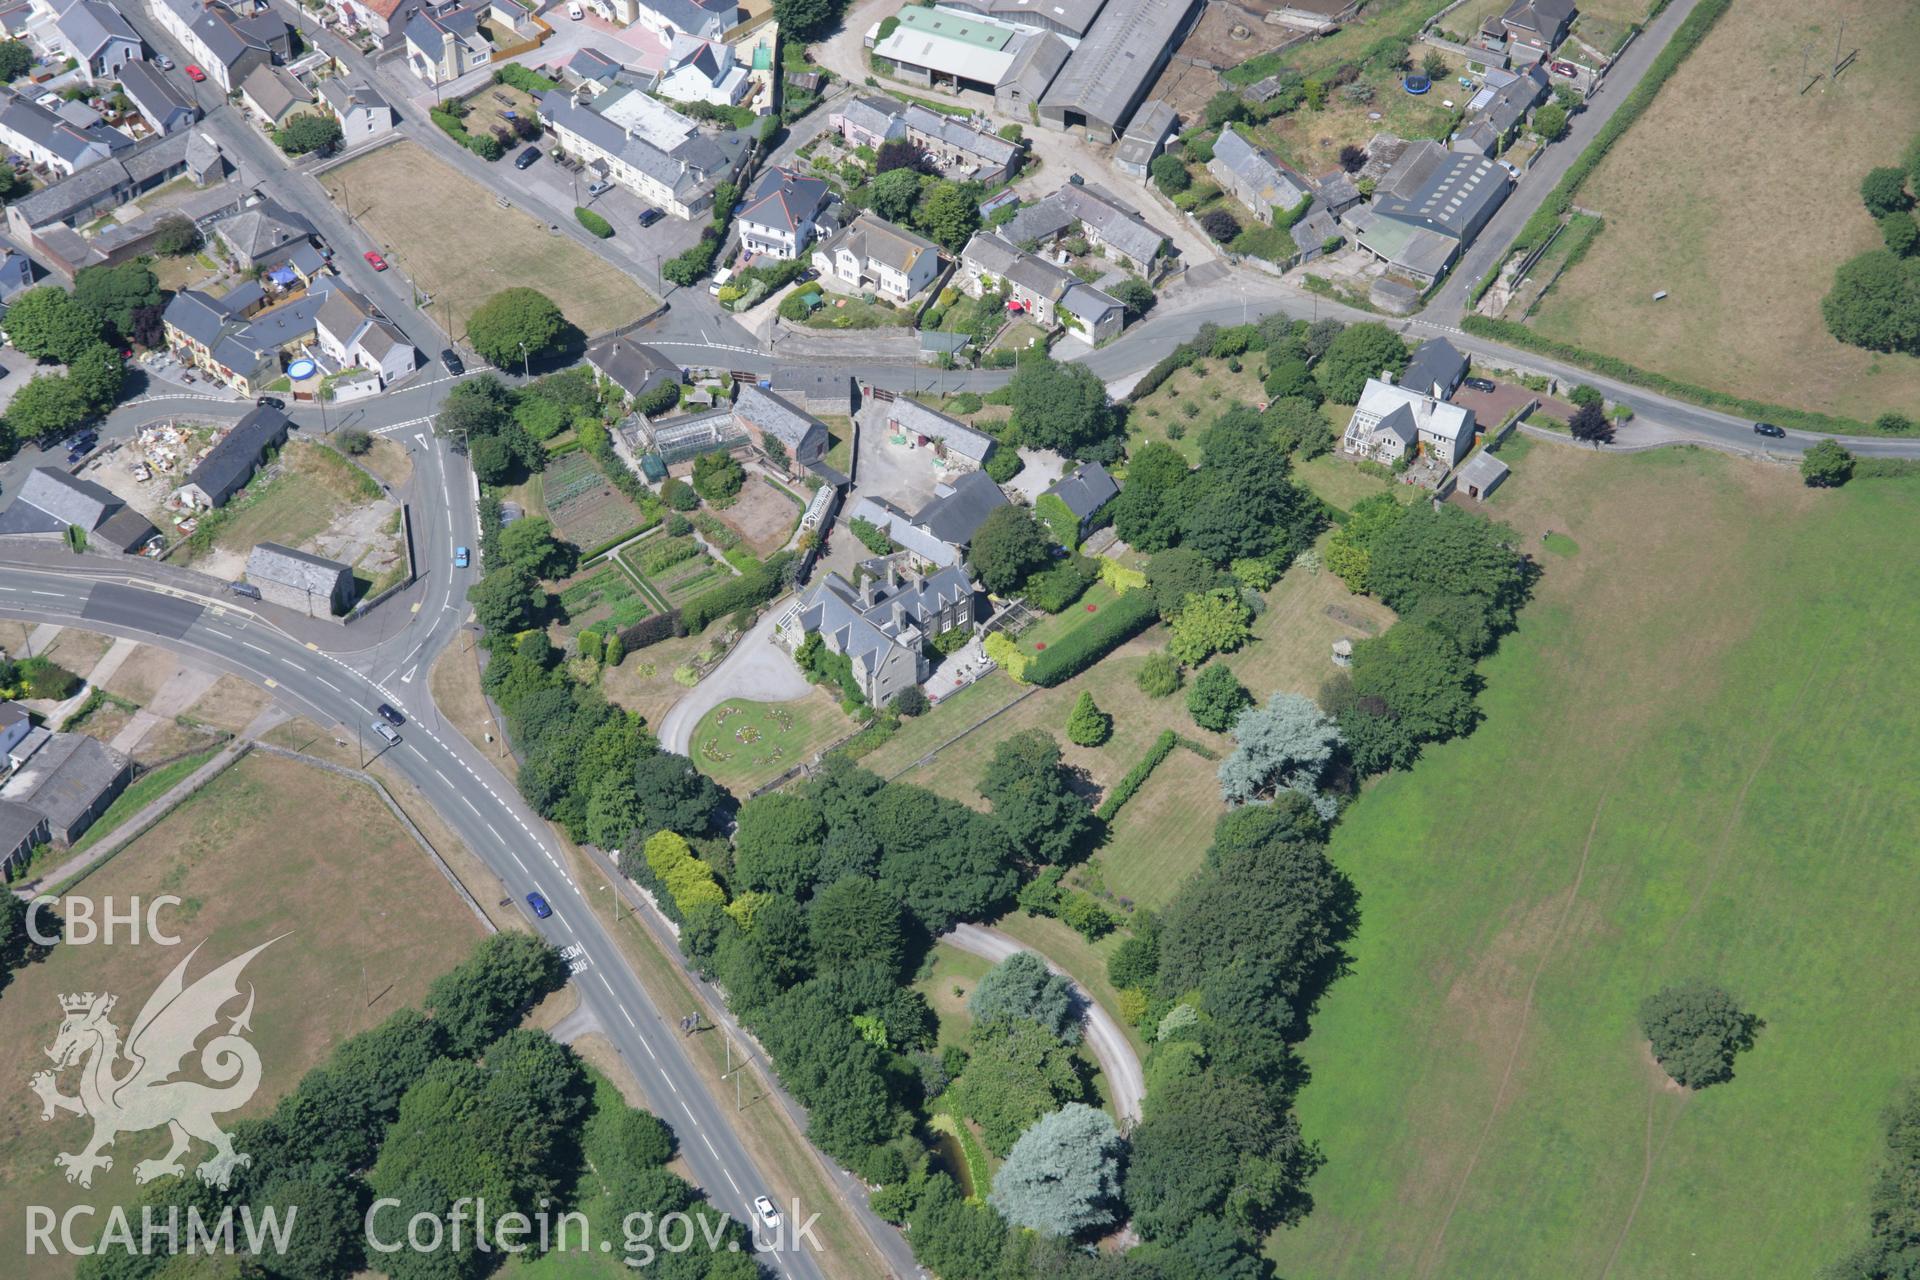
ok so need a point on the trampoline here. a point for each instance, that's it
(1416, 85)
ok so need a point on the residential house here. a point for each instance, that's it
(1102, 218)
(778, 219)
(1437, 367)
(1257, 180)
(234, 458)
(705, 19)
(224, 339)
(868, 120)
(262, 235)
(50, 142)
(646, 146)
(1392, 420)
(15, 723)
(274, 96)
(634, 367)
(16, 273)
(1145, 138)
(157, 97)
(70, 780)
(381, 17)
(445, 43)
(960, 148)
(1084, 491)
(1537, 26)
(883, 626)
(1050, 295)
(49, 502)
(352, 334)
(45, 219)
(218, 40)
(958, 446)
(938, 534)
(1480, 476)
(94, 34)
(699, 70)
(1495, 115)
(764, 416)
(872, 253)
(363, 114)
(21, 830)
(1115, 65)
(293, 579)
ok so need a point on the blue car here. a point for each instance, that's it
(539, 905)
(459, 557)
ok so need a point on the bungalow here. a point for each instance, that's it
(294, 579)
(1083, 491)
(872, 253)
(274, 96)
(883, 626)
(234, 458)
(958, 446)
(363, 114)
(1106, 221)
(633, 367)
(1051, 295)
(765, 417)
(50, 502)
(778, 219)
(1390, 421)
(96, 36)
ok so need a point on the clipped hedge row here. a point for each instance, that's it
(1519, 335)
(744, 592)
(593, 222)
(1112, 627)
(1137, 776)
(1684, 42)
(661, 626)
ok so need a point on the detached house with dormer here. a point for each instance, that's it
(1392, 421)
(882, 626)
(872, 253)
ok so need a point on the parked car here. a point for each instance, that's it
(808, 276)
(526, 158)
(1076, 180)
(459, 557)
(1770, 431)
(162, 61)
(270, 402)
(1480, 384)
(246, 589)
(769, 1215)
(575, 11)
(195, 74)
(720, 279)
(391, 716)
(539, 905)
(650, 216)
(453, 362)
(598, 185)
(374, 260)
(48, 100)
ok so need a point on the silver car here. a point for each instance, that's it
(598, 185)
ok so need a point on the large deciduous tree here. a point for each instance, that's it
(1361, 351)
(1032, 798)
(114, 293)
(49, 324)
(1061, 407)
(1215, 699)
(1008, 546)
(1695, 1029)
(517, 325)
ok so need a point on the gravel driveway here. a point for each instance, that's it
(758, 670)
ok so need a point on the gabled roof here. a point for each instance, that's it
(954, 517)
(226, 40)
(1271, 181)
(1435, 362)
(315, 575)
(870, 237)
(631, 366)
(274, 91)
(56, 500)
(775, 417)
(1112, 65)
(350, 95)
(1094, 207)
(1445, 190)
(1399, 423)
(88, 25)
(65, 777)
(197, 314)
(1483, 470)
(228, 465)
(78, 146)
(875, 114)
(156, 96)
(1387, 401)
(987, 148)
(255, 233)
(956, 435)
(1085, 489)
(1542, 16)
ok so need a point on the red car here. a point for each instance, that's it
(378, 263)
(195, 74)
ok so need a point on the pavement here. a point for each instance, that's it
(758, 669)
(1105, 1039)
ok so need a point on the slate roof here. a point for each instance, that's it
(774, 416)
(257, 232)
(1270, 181)
(1095, 207)
(219, 29)
(1085, 489)
(956, 516)
(873, 238)
(87, 25)
(1110, 67)
(810, 382)
(1435, 361)
(197, 314)
(315, 575)
(991, 149)
(77, 146)
(1483, 471)
(18, 825)
(956, 435)
(274, 91)
(876, 114)
(863, 623)
(1543, 16)
(901, 528)
(783, 198)
(1387, 401)
(345, 96)
(148, 88)
(232, 461)
(49, 500)
(1509, 104)
(631, 366)
(64, 778)
(692, 167)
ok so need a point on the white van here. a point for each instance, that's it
(720, 279)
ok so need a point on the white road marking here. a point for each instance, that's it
(649, 1049)
(290, 662)
(516, 860)
(496, 834)
(58, 595)
(607, 985)
(330, 684)
(676, 1088)
(256, 648)
(408, 679)
(628, 1017)
(709, 1141)
(730, 1182)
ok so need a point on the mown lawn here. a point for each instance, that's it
(742, 744)
(1696, 760)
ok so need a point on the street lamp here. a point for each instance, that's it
(526, 362)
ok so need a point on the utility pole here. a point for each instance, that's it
(1837, 37)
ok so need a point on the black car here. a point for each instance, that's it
(452, 361)
(271, 402)
(391, 716)
(1480, 384)
(526, 158)
(808, 276)
(1769, 430)
(650, 216)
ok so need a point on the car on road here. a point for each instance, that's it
(459, 557)
(1770, 431)
(374, 260)
(451, 359)
(385, 730)
(650, 216)
(526, 158)
(270, 402)
(1480, 384)
(48, 100)
(599, 186)
(195, 74)
(391, 716)
(539, 905)
(162, 61)
(768, 1215)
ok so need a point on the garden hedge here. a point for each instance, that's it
(1137, 776)
(1112, 627)
(744, 592)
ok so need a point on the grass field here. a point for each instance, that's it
(1154, 847)
(954, 975)
(314, 485)
(140, 793)
(1744, 276)
(1191, 399)
(743, 744)
(271, 846)
(1694, 761)
(400, 195)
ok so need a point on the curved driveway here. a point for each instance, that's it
(1105, 1039)
(758, 669)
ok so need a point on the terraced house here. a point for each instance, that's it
(647, 147)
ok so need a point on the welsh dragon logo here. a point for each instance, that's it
(132, 1089)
